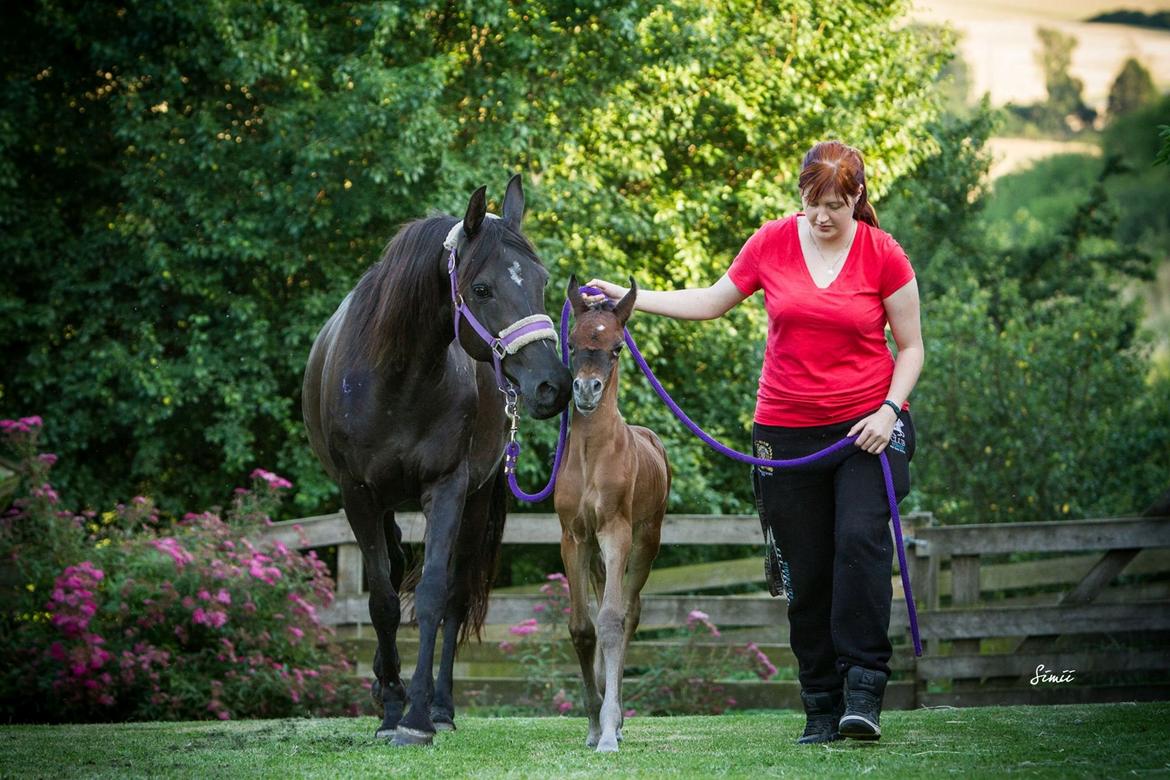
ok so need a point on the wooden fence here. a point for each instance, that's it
(996, 602)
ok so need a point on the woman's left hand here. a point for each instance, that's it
(873, 432)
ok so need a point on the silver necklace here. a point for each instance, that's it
(831, 268)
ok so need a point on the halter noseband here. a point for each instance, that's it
(511, 339)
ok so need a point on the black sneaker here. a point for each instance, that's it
(823, 710)
(863, 703)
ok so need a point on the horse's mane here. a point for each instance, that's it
(409, 283)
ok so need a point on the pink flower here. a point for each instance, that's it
(698, 617)
(47, 458)
(223, 597)
(213, 618)
(274, 481)
(525, 628)
(171, 546)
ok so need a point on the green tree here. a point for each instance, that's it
(1064, 90)
(1132, 89)
(1039, 400)
(187, 190)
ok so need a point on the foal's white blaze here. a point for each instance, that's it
(514, 272)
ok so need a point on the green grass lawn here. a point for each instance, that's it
(1100, 740)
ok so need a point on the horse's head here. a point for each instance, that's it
(502, 281)
(595, 344)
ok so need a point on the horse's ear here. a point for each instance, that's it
(476, 209)
(625, 306)
(574, 295)
(513, 210)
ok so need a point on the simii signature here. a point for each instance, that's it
(1044, 675)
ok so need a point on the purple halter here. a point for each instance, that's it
(511, 339)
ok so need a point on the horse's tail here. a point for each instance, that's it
(478, 566)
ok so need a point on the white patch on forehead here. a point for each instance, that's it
(600, 328)
(514, 272)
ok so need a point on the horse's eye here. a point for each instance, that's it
(616, 350)
(481, 290)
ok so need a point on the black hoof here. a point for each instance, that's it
(444, 725)
(405, 736)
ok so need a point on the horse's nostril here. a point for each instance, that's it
(546, 393)
(595, 385)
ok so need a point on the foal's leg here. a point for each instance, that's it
(611, 628)
(442, 502)
(576, 558)
(643, 551)
(385, 611)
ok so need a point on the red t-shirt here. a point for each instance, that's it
(826, 358)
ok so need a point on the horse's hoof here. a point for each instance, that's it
(404, 736)
(444, 725)
(384, 733)
(607, 745)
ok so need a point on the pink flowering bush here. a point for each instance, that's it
(547, 660)
(121, 615)
(687, 676)
(690, 672)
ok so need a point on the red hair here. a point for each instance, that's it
(833, 169)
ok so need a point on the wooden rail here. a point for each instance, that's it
(988, 607)
(996, 632)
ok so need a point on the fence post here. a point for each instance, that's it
(349, 575)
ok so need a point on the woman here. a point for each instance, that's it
(832, 280)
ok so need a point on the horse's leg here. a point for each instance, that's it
(442, 503)
(385, 611)
(576, 558)
(643, 551)
(443, 704)
(611, 629)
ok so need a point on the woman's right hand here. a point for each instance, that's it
(611, 290)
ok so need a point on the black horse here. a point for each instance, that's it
(399, 409)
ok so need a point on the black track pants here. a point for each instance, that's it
(830, 522)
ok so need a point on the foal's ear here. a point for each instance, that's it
(574, 295)
(476, 209)
(513, 210)
(625, 306)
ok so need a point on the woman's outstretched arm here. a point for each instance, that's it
(696, 303)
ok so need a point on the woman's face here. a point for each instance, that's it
(829, 216)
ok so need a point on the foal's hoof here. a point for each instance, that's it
(607, 745)
(405, 736)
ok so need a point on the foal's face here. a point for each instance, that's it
(594, 347)
(595, 344)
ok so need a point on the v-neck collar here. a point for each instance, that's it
(805, 261)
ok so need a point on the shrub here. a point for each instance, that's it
(688, 674)
(121, 615)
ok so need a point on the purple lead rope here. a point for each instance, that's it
(513, 451)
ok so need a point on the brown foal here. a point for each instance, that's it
(610, 496)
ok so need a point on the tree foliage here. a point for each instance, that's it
(187, 190)
(1132, 89)
(1038, 400)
